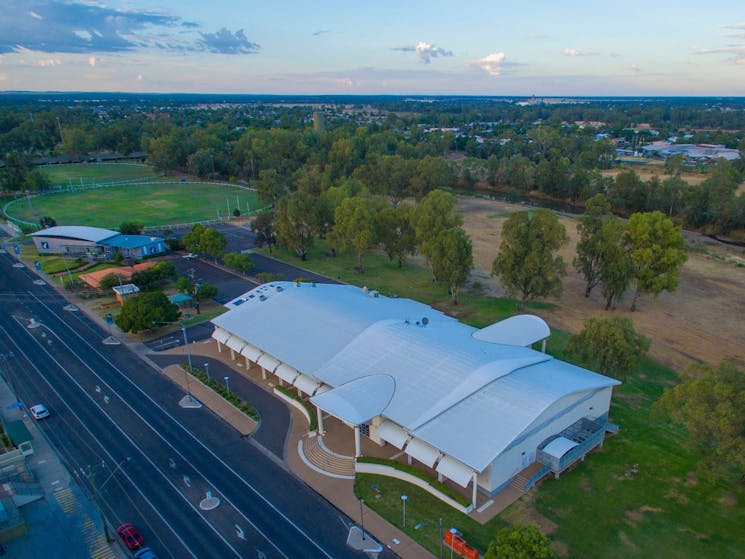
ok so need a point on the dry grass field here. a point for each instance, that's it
(702, 320)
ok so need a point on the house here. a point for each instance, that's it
(478, 406)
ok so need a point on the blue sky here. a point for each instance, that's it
(533, 47)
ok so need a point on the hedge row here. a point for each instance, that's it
(305, 403)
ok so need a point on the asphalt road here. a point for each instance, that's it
(116, 422)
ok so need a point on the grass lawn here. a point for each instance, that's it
(149, 204)
(602, 508)
(50, 263)
(79, 174)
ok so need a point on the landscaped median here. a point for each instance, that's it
(230, 396)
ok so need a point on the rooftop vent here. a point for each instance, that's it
(280, 288)
(425, 321)
(262, 297)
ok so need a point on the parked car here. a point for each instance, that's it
(130, 536)
(39, 411)
(145, 553)
(190, 256)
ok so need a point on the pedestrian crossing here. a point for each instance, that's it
(95, 542)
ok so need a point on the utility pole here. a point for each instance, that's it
(97, 498)
(61, 136)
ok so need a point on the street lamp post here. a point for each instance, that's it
(362, 518)
(403, 500)
(188, 357)
(453, 531)
(227, 383)
(207, 369)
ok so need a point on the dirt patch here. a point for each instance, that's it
(646, 173)
(691, 480)
(523, 512)
(699, 322)
(626, 540)
(728, 499)
(675, 495)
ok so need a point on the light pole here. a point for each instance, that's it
(404, 497)
(453, 531)
(188, 357)
(227, 383)
(362, 518)
(207, 369)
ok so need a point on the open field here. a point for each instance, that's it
(646, 172)
(700, 321)
(604, 507)
(77, 174)
(149, 204)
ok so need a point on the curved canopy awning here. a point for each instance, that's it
(306, 384)
(359, 400)
(251, 352)
(220, 335)
(559, 447)
(268, 362)
(392, 433)
(425, 453)
(286, 373)
(521, 330)
(236, 344)
(455, 470)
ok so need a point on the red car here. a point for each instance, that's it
(130, 536)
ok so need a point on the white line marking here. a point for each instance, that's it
(189, 434)
(131, 442)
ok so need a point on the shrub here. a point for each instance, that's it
(305, 403)
(216, 386)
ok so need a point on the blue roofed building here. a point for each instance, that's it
(95, 242)
(135, 246)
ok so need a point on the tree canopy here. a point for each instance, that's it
(527, 264)
(355, 226)
(657, 250)
(709, 403)
(609, 346)
(452, 259)
(145, 311)
(520, 542)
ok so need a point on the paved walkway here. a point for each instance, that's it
(65, 523)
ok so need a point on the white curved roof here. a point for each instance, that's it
(77, 232)
(464, 396)
(523, 330)
(358, 400)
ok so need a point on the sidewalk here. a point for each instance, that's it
(65, 523)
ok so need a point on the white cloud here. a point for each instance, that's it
(92, 61)
(492, 63)
(83, 34)
(634, 68)
(35, 15)
(48, 62)
(577, 52)
(737, 52)
(425, 51)
(140, 78)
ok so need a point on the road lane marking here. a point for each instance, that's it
(190, 435)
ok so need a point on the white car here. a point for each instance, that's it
(190, 256)
(39, 412)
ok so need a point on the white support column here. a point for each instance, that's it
(319, 413)
(475, 489)
(357, 441)
(219, 347)
(543, 345)
(232, 354)
(439, 477)
(263, 373)
(248, 364)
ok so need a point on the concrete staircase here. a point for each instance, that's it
(317, 456)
